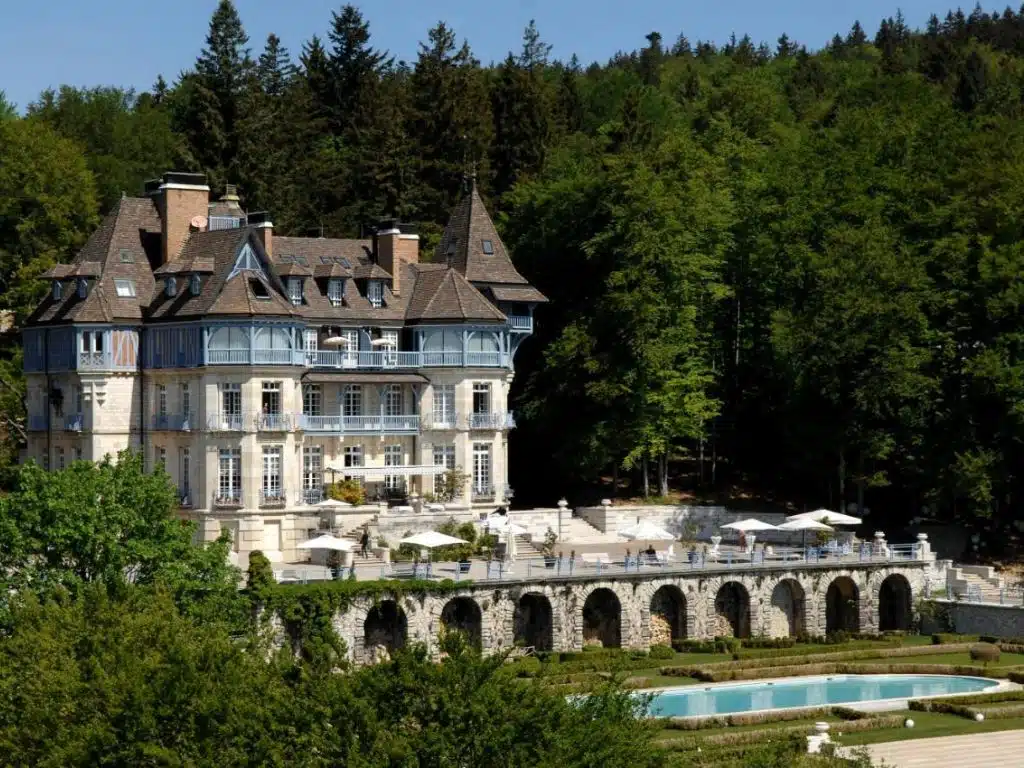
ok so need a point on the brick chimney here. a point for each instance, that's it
(264, 230)
(396, 248)
(181, 198)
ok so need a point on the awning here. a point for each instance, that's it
(379, 473)
(344, 377)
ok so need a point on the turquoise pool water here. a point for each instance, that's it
(696, 700)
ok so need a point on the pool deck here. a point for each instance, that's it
(1001, 749)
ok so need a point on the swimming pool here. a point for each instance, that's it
(696, 700)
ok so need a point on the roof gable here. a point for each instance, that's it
(441, 293)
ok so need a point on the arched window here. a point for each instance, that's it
(273, 338)
(447, 340)
(229, 338)
(483, 341)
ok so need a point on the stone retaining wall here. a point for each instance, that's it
(985, 618)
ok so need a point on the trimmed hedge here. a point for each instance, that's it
(811, 650)
(984, 652)
(946, 638)
(756, 718)
(718, 645)
(753, 737)
(661, 652)
(978, 698)
(822, 658)
(768, 642)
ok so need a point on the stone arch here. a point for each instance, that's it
(602, 619)
(732, 610)
(895, 603)
(842, 605)
(385, 630)
(787, 611)
(463, 614)
(533, 622)
(668, 615)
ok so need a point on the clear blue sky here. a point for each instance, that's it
(46, 43)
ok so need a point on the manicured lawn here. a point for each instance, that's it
(963, 659)
(929, 725)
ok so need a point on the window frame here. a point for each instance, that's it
(124, 287)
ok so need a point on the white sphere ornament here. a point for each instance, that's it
(978, 717)
(908, 723)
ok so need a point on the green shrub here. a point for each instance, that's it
(985, 653)
(661, 652)
(845, 713)
(944, 638)
(349, 491)
(528, 667)
(812, 655)
(1002, 713)
(768, 642)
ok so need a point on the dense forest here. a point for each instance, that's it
(787, 271)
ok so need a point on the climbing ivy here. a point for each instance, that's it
(307, 610)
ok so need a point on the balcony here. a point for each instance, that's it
(228, 422)
(312, 495)
(441, 421)
(354, 425)
(272, 498)
(520, 323)
(172, 422)
(391, 360)
(494, 421)
(228, 500)
(73, 422)
(485, 494)
(274, 422)
(93, 361)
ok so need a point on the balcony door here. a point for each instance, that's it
(444, 406)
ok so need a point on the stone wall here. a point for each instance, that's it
(682, 520)
(985, 618)
(775, 601)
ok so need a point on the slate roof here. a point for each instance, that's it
(127, 245)
(469, 226)
(218, 295)
(440, 293)
(525, 293)
(123, 246)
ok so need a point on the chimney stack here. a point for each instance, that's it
(182, 200)
(264, 230)
(395, 248)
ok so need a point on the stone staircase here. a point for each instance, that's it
(576, 530)
(355, 535)
(979, 584)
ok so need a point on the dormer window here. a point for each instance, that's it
(125, 288)
(259, 289)
(295, 290)
(488, 247)
(83, 287)
(375, 293)
(57, 290)
(127, 257)
(194, 284)
(334, 292)
(172, 287)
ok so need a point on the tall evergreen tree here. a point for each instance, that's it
(651, 59)
(520, 104)
(207, 101)
(450, 120)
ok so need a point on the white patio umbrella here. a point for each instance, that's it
(751, 524)
(646, 531)
(332, 504)
(384, 342)
(327, 542)
(431, 539)
(335, 341)
(827, 516)
(804, 524)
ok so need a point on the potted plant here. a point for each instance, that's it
(548, 548)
